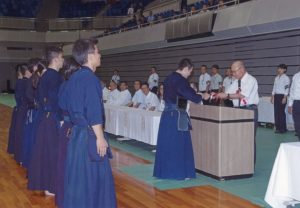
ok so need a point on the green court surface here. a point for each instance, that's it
(252, 189)
(7, 99)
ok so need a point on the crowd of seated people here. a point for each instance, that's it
(19, 8)
(139, 20)
(71, 9)
(149, 95)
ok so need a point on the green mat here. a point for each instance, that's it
(252, 189)
(7, 99)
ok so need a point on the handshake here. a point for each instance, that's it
(211, 96)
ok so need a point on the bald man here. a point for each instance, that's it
(243, 92)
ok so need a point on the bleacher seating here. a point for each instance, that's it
(71, 9)
(19, 8)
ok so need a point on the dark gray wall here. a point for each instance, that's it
(261, 54)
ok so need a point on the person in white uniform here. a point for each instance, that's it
(204, 82)
(116, 77)
(138, 97)
(153, 80)
(228, 80)
(151, 99)
(114, 94)
(294, 102)
(124, 95)
(105, 91)
(243, 92)
(279, 98)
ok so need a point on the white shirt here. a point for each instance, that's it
(151, 100)
(130, 11)
(124, 98)
(105, 93)
(153, 80)
(139, 97)
(116, 78)
(204, 80)
(281, 85)
(216, 82)
(227, 82)
(113, 97)
(295, 89)
(161, 106)
(249, 89)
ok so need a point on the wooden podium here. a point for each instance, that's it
(223, 141)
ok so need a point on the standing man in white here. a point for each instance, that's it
(116, 77)
(153, 80)
(279, 98)
(294, 102)
(204, 82)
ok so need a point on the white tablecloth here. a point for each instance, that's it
(133, 123)
(284, 184)
(266, 113)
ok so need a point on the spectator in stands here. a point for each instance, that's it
(204, 8)
(210, 4)
(130, 10)
(114, 93)
(140, 8)
(116, 77)
(160, 95)
(124, 96)
(150, 18)
(139, 96)
(193, 9)
(216, 79)
(221, 4)
(105, 91)
(279, 98)
(153, 80)
(151, 100)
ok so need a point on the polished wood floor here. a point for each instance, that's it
(131, 193)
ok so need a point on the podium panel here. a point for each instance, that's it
(223, 141)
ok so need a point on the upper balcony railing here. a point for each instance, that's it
(87, 23)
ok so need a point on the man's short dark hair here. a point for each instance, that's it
(282, 66)
(205, 66)
(139, 81)
(52, 52)
(216, 66)
(82, 48)
(185, 63)
(145, 83)
(124, 82)
(153, 67)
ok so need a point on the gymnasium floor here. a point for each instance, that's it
(135, 186)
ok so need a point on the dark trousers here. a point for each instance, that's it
(296, 116)
(279, 113)
(255, 110)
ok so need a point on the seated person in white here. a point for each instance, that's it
(114, 94)
(139, 96)
(124, 96)
(151, 99)
(160, 95)
(105, 91)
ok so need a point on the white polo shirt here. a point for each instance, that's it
(124, 98)
(216, 81)
(249, 89)
(139, 97)
(113, 97)
(204, 81)
(153, 80)
(281, 85)
(295, 89)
